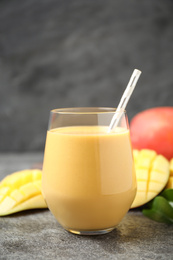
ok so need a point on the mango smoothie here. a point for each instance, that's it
(89, 179)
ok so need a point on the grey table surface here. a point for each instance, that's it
(35, 234)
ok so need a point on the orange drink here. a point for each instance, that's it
(88, 174)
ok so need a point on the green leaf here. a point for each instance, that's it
(160, 210)
(156, 216)
(168, 195)
(162, 205)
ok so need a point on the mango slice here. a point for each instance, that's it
(171, 167)
(170, 180)
(170, 183)
(21, 191)
(152, 172)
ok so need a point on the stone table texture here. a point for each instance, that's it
(35, 234)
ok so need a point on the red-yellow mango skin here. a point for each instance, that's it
(153, 129)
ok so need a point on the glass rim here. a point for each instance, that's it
(86, 110)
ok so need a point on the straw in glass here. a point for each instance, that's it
(124, 100)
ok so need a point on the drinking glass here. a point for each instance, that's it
(89, 180)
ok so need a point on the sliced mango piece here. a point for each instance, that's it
(152, 172)
(135, 155)
(29, 190)
(171, 167)
(35, 202)
(7, 204)
(21, 191)
(170, 180)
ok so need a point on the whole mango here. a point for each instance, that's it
(153, 129)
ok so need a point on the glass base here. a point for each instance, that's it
(90, 232)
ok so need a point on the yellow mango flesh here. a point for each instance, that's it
(152, 172)
(21, 191)
(171, 167)
(170, 180)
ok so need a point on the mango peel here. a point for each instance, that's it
(152, 172)
(21, 191)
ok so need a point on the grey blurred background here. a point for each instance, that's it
(62, 53)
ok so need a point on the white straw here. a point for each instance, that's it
(124, 100)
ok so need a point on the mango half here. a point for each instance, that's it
(152, 172)
(21, 191)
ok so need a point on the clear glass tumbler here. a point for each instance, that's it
(89, 180)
